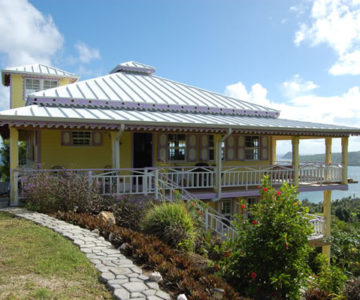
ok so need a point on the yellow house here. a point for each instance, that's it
(138, 133)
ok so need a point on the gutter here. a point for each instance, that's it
(219, 164)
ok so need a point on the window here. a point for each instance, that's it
(211, 148)
(252, 148)
(35, 85)
(81, 137)
(32, 86)
(49, 84)
(176, 146)
(222, 150)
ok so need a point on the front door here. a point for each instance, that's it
(142, 150)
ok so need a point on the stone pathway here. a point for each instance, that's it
(118, 272)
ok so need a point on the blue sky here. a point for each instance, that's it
(297, 56)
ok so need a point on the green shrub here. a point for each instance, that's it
(317, 294)
(269, 256)
(330, 278)
(352, 290)
(172, 223)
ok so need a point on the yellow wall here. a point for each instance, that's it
(17, 92)
(82, 157)
(17, 89)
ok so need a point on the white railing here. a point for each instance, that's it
(318, 223)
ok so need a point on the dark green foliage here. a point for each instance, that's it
(352, 290)
(179, 272)
(270, 255)
(5, 158)
(172, 223)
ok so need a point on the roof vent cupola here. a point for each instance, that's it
(133, 67)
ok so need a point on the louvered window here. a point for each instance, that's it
(49, 84)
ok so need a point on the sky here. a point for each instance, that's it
(300, 57)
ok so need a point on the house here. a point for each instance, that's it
(137, 133)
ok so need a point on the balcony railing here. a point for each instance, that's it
(162, 182)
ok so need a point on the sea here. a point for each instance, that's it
(353, 191)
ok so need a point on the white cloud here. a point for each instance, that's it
(86, 54)
(343, 109)
(297, 86)
(26, 35)
(257, 93)
(335, 23)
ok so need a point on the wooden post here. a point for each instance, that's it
(14, 163)
(328, 159)
(327, 228)
(344, 146)
(295, 159)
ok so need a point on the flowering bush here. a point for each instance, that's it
(269, 256)
(63, 190)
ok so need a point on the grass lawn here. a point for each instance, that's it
(37, 263)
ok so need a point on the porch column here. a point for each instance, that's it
(344, 146)
(273, 150)
(328, 158)
(295, 159)
(14, 163)
(115, 150)
(327, 228)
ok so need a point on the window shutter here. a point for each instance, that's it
(97, 138)
(191, 147)
(241, 147)
(230, 148)
(162, 147)
(204, 147)
(66, 139)
(264, 148)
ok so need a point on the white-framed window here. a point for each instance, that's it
(33, 85)
(252, 147)
(177, 147)
(81, 138)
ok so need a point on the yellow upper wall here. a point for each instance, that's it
(53, 153)
(17, 89)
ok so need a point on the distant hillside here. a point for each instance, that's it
(354, 158)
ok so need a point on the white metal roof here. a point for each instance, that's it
(133, 66)
(145, 91)
(38, 69)
(147, 118)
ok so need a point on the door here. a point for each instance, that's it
(142, 150)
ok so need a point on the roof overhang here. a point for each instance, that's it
(57, 117)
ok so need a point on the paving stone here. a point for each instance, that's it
(152, 285)
(121, 294)
(135, 286)
(149, 292)
(105, 276)
(120, 270)
(162, 295)
(154, 298)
